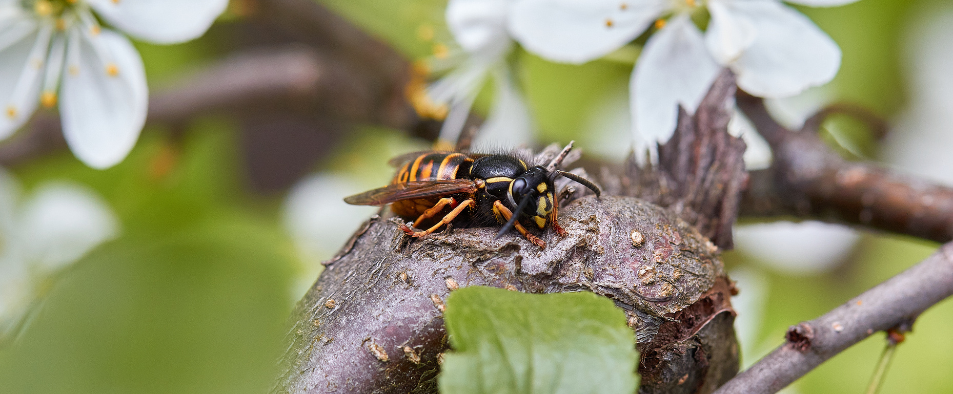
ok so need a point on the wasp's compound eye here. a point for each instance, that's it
(519, 187)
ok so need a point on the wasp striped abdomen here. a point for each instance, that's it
(431, 166)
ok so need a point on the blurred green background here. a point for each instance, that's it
(195, 293)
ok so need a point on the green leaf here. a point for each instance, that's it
(509, 342)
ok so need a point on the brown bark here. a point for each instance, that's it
(384, 296)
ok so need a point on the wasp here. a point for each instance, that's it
(474, 189)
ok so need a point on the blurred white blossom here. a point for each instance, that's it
(320, 222)
(39, 237)
(480, 28)
(54, 52)
(796, 248)
(753, 287)
(921, 142)
(774, 50)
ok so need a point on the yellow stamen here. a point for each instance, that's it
(416, 92)
(426, 107)
(95, 30)
(420, 69)
(37, 64)
(71, 1)
(48, 99)
(425, 32)
(60, 24)
(43, 8)
(609, 23)
(115, 1)
(164, 162)
(12, 112)
(659, 24)
(112, 70)
(623, 6)
(73, 70)
(441, 51)
(691, 3)
(443, 145)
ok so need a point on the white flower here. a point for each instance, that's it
(320, 222)
(480, 28)
(54, 51)
(804, 248)
(921, 143)
(774, 50)
(41, 236)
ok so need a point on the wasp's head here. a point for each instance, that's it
(533, 195)
(533, 192)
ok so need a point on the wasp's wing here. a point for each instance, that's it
(409, 190)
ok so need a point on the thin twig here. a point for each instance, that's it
(877, 124)
(897, 300)
(377, 63)
(877, 380)
(895, 336)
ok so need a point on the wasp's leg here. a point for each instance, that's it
(554, 218)
(439, 206)
(501, 209)
(446, 219)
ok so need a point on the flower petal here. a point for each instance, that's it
(757, 154)
(822, 3)
(12, 12)
(577, 31)
(104, 98)
(9, 194)
(317, 201)
(727, 35)
(479, 26)
(21, 64)
(796, 248)
(674, 69)
(16, 293)
(62, 222)
(509, 123)
(161, 21)
(750, 305)
(458, 90)
(790, 53)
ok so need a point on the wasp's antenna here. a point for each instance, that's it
(583, 181)
(510, 223)
(559, 159)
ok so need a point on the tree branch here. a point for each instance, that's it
(895, 301)
(809, 180)
(373, 321)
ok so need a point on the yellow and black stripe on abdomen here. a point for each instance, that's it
(431, 166)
